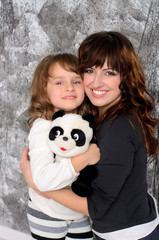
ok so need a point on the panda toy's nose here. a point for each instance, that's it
(65, 138)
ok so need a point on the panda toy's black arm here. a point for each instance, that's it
(82, 186)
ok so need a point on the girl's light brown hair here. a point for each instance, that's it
(40, 105)
(120, 55)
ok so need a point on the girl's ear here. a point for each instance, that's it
(90, 118)
(57, 114)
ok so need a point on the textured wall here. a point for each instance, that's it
(31, 29)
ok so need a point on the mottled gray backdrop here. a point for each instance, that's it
(30, 29)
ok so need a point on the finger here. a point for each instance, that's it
(26, 149)
(25, 152)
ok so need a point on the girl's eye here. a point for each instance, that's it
(58, 83)
(76, 82)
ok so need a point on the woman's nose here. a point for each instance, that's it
(97, 81)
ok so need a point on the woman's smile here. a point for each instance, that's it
(99, 93)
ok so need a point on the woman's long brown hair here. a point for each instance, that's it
(40, 105)
(120, 55)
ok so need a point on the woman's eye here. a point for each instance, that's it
(76, 137)
(110, 73)
(88, 71)
(57, 134)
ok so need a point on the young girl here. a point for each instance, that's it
(56, 85)
(120, 206)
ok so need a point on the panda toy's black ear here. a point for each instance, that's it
(90, 118)
(57, 114)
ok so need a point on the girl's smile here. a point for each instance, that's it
(69, 97)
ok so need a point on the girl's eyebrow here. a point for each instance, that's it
(77, 77)
(62, 77)
(56, 77)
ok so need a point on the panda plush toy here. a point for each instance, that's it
(70, 135)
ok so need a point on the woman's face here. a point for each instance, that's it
(102, 86)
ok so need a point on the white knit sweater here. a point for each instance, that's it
(47, 173)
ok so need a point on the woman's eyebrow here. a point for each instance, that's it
(109, 68)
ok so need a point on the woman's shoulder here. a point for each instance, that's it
(124, 124)
(124, 129)
(126, 119)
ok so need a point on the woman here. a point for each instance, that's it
(119, 206)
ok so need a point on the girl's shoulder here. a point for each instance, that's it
(40, 126)
(40, 120)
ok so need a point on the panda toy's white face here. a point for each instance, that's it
(69, 135)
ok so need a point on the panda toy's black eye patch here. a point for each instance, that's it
(55, 132)
(79, 137)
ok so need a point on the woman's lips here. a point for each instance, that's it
(99, 93)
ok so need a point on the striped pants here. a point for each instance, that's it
(44, 227)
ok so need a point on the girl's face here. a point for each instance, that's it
(102, 86)
(64, 89)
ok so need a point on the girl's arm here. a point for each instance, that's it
(64, 196)
(90, 157)
(48, 174)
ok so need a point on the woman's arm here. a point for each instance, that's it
(69, 199)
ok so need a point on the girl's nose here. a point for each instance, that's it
(69, 87)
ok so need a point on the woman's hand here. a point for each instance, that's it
(90, 157)
(25, 167)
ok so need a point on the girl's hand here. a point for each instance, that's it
(26, 170)
(93, 153)
(90, 157)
